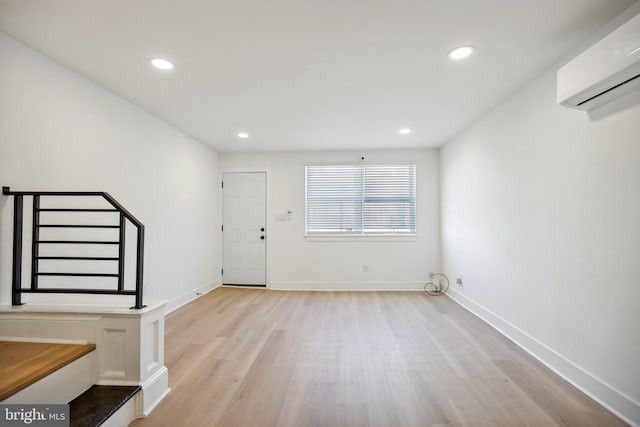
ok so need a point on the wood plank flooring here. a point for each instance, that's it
(24, 363)
(249, 357)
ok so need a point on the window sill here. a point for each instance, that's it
(362, 238)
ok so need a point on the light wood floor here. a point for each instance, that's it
(244, 357)
(24, 363)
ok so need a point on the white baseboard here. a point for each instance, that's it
(615, 401)
(346, 286)
(187, 297)
(154, 390)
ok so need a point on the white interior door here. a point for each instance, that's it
(244, 221)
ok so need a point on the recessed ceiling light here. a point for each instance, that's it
(461, 52)
(243, 135)
(405, 131)
(162, 64)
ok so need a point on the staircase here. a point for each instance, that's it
(72, 335)
(69, 354)
(63, 374)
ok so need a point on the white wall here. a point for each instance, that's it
(541, 216)
(297, 263)
(59, 131)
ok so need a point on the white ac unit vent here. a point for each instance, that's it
(605, 71)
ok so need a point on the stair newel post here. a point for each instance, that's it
(140, 267)
(16, 284)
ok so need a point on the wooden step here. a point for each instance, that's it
(94, 407)
(24, 363)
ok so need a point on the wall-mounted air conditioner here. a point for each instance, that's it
(605, 71)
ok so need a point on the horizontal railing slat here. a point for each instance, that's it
(76, 210)
(74, 291)
(77, 274)
(81, 258)
(77, 242)
(54, 193)
(77, 226)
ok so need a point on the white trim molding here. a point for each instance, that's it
(347, 286)
(154, 390)
(618, 403)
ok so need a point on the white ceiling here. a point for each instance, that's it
(309, 74)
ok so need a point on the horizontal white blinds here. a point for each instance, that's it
(334, 199)
(389, 199)
(357, 199)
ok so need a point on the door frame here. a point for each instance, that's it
(267, 249)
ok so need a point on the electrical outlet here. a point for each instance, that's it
(459, 280)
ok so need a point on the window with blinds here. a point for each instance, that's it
(360, 199)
